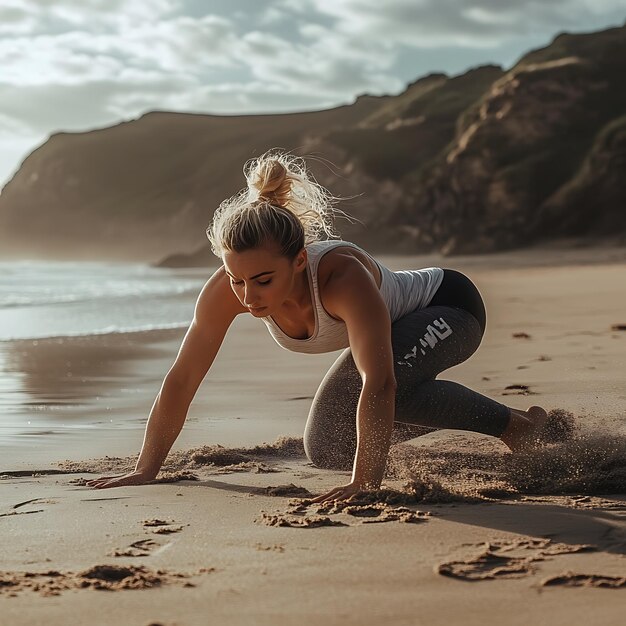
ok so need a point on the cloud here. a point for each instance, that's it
(424, 24)
(97, 75)
(76, 64)
(46, 16)
(177, 46)
(320, 65)
(16, 20)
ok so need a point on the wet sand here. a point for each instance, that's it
(463, 532)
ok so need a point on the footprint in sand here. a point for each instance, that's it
(143, 547)
(542, 547)
(492, 564)
(485, 566)
(98, 577)
(161, 527)
(277, 547)
(570, 579)
(518, 390)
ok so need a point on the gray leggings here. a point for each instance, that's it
(425, 342)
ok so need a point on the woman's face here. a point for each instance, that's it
(262, 279)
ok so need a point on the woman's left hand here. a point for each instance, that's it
(339, 493)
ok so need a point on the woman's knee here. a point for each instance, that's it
(327, 454)
(330, 435)
(330, 431)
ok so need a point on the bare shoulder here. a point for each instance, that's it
(347, 274)
(336, 261)
(217, 300)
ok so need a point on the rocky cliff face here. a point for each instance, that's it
(519, 168)
(484, 161)
(593, 201)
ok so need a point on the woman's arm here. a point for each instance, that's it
(215, 310)
(352, 295)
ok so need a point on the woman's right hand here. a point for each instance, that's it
(132, 478)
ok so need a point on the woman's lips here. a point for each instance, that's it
(256, 308)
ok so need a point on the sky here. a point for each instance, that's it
(75, 65)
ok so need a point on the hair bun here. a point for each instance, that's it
(270, 180)
(275, 180)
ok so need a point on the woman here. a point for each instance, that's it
(399, 331)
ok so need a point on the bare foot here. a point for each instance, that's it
(523, 430)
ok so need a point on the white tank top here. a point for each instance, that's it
(403, 291)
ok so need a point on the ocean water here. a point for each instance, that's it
(84, 349)
(83, 346)
(45, 299)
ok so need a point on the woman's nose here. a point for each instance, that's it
(249, 297)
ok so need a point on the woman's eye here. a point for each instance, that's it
(260, 282)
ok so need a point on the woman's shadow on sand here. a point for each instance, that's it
(564, 524)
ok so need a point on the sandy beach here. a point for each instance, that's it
(462, 531)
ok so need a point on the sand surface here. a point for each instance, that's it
(463, 531)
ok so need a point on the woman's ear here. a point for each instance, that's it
(301, 260)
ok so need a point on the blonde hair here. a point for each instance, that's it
(281, 204)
